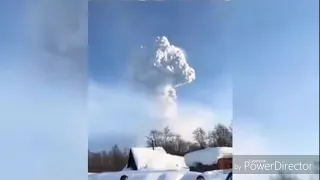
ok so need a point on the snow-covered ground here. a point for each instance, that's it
(160, 175)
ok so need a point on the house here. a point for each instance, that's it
(154, 158)
(217, 158)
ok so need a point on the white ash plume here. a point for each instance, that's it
(160, 70)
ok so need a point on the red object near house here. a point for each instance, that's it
(224, 163)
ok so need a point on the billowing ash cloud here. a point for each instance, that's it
(160, 70)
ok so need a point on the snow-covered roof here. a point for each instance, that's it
(160, 149)
(157, 159)
(207, 156)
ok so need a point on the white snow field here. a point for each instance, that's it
(160, 175)
(149, 164)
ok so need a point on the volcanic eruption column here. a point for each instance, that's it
(159, 71)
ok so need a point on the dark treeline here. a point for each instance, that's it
(115, 158)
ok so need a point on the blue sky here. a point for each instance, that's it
(263, 53)
(115, 27)
(116, 31)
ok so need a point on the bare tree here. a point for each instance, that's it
(200, 136)
(177, 145)
(155, 138)
(167, 136)
(220, 136)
